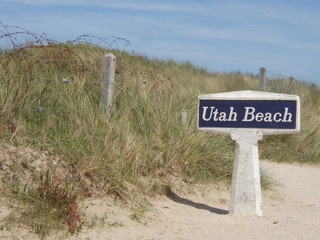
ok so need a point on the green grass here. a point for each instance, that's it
(303, 147)
(143, 136)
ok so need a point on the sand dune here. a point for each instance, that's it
(292, 211)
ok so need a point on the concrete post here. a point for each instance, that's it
(107, 82)
(246, 191)
(228, 115)
(263, 79)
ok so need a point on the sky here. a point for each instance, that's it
(218, 35)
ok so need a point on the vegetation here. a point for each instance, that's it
(51, 205)
(49, 100)
(304, 146)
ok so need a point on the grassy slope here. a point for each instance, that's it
(144, 135)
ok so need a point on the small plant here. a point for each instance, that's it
(102, 221)
(60, 197)
(139, 209)
(50, 205)
(135, 217)
(40, 229)
(2, 227)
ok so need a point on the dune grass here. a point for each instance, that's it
(144, 135)
(303, 147)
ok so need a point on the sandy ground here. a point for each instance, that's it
(292, 211)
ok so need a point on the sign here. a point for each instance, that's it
(272, 113)
(247, 116)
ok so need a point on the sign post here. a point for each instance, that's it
(246, 116)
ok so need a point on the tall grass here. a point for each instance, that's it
(144, 135)
(303, 147)
(49, 100)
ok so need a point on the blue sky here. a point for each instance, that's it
(223, 35)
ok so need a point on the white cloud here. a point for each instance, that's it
(227, 10)
(255, 22)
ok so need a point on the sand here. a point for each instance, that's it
(291, 211)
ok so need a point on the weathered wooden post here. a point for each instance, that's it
(263, 79)
(107, 82)
(247, 116)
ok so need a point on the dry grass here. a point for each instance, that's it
(144, 136)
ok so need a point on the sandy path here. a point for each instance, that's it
(292, 211)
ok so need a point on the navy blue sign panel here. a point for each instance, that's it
(261, 114)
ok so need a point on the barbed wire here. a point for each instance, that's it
(94, 40)
(17, 36)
